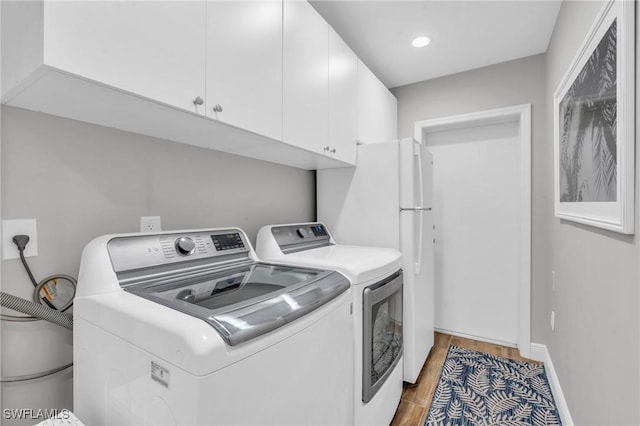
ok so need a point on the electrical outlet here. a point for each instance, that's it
(553, 281)
(150, 224)
(552, 321)
(11, 228)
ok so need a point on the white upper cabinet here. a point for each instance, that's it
(266, 79)
(305, 76)
(343, 99)
(244, 65)
(377, 108)
(153, 49)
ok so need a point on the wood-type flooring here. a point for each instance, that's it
(416, 398)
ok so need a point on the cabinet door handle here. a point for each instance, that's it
(217, 108)
(198, 101)
(326, 148)
(333, 151)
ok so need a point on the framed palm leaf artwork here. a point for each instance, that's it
(594, 125)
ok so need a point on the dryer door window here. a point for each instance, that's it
(382, 333)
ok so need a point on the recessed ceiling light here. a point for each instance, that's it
(421, 41)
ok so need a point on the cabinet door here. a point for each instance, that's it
(155, 49)
(343, 99)
(377, 108)
(305, 76)
(244, 64)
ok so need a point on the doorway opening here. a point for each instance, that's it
(482, 212)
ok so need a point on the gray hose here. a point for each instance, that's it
(27, 307)
(34, 376)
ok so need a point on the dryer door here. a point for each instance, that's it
(382, 333)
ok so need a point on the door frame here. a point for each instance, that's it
(520, 114)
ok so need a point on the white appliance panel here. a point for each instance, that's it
(123, 384)
(360, 205)
(417, 247)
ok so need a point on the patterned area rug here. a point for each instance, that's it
(481, 389)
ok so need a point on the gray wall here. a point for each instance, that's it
(511, 83)
(81, 181)
(595, 345)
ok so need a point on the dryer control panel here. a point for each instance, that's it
(299, 237)
(145, 250)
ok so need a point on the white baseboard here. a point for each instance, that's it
(474, 337)
(540, 352)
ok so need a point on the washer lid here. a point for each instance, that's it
(246, 301)
(358, 263)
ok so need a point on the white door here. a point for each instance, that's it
(478, 220)
(244, 64)
(305, 81)
(377, 108)
(155, 49)
(343, 99)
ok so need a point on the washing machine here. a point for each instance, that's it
(376, 278)
(188, 328)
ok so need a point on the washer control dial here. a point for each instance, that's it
(302, 232)
(185, 246)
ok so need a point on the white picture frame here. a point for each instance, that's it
(594, 131)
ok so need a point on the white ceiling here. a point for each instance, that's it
(465, 34)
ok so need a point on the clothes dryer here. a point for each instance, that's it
(376, 278)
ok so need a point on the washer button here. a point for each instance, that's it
(185, 246)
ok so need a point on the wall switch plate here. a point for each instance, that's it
(552, 321)
(13, 227)
(150, 224)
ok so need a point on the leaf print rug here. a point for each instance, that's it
(481, 389)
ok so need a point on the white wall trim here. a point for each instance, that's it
(522, 115)
(478, 338)
(539, 352)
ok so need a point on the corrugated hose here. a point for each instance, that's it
(28, 307)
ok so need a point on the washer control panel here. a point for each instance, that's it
(146, 250)
(223, 242)
(301, 237)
